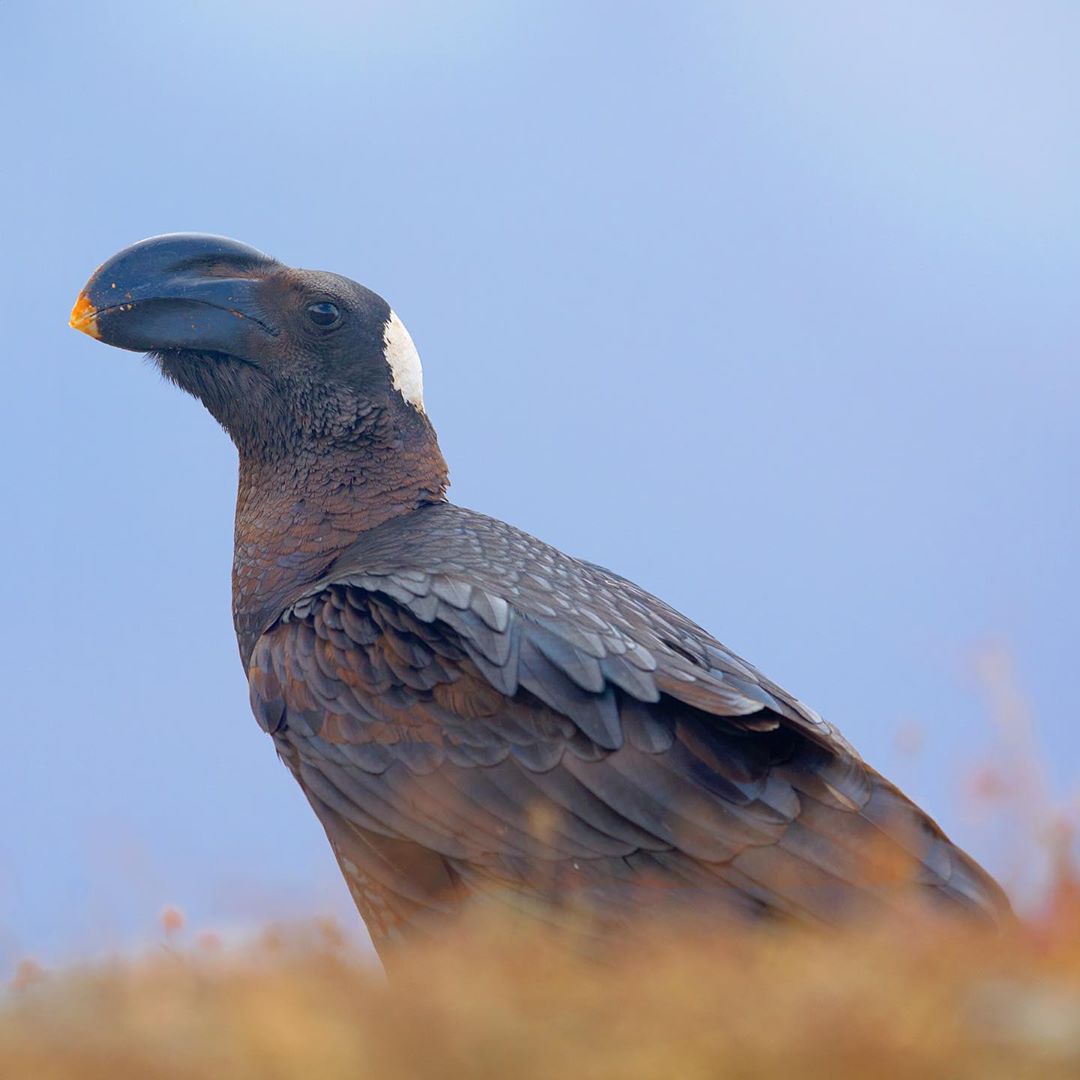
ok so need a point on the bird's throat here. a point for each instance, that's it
(293, 521)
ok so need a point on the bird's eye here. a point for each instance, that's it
(324, 314)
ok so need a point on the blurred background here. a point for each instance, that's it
(768, 306)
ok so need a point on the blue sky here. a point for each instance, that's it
(769, 306)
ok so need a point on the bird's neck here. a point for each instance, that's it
(295, 516)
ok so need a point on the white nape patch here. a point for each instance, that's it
(405, 371)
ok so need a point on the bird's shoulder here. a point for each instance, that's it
(570, 632)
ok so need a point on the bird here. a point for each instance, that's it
(474, 716)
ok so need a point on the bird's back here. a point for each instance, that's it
(472, 712)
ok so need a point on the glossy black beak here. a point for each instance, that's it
(178, 291)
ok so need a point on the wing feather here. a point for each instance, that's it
(565, 736)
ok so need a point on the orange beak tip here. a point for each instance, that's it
(84, 316)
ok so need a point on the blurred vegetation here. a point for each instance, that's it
(914, 998)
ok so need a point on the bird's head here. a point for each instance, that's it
(281, 357)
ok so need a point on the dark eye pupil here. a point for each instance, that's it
(323, 314)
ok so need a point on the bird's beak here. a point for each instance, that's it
(179, 291)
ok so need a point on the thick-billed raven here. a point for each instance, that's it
(469, 711)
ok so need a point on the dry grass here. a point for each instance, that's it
(917, 998)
